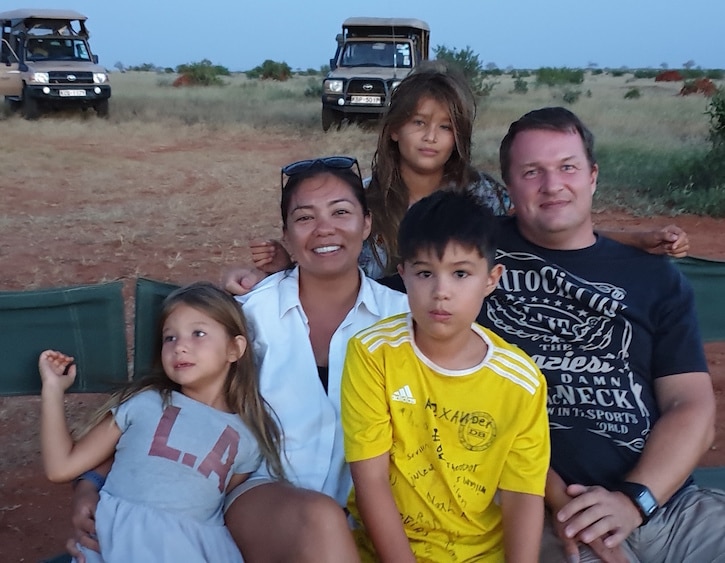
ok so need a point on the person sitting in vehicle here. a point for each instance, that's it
(36, 49)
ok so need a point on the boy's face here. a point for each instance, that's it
(446, 294)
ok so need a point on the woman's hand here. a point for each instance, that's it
(83, 517)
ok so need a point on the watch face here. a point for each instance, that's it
(646, 501)
(642, 498)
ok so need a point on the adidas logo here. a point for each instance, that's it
(403, 395)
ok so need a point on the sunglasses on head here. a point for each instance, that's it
(327, 162)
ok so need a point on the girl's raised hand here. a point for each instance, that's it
(57, 370)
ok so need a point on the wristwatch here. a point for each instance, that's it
(642, 498)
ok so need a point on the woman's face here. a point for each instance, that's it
(326, 226)
(427, 140)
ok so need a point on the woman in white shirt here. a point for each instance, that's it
(300, 321)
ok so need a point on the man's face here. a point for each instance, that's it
(551, 184)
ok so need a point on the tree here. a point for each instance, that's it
(465, 59)
(664, 66)
(119, 66)
(689, 64)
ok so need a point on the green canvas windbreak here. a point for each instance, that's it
(149, 296)
(707, 278)
(86, 322)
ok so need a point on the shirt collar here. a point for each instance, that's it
(289, 293)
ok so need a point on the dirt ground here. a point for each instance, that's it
(173, 205)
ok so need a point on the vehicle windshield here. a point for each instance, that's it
(381, 53)
(56, 49)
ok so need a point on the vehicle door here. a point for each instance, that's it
(11, 83)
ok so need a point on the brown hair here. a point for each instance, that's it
(241, 387)
(388, 195)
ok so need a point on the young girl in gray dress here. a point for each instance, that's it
(182, 437)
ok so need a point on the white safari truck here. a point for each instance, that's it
(373, 55)
(46, 61)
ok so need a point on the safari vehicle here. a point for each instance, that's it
(373, 55)
(46, 62)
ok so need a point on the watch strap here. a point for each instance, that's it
(641, 497)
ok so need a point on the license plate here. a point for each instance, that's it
(365, 100)
(71, 93)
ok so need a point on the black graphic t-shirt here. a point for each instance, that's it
(600, 344)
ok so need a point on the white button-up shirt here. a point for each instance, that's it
(289, 381)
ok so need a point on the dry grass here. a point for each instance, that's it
(178, 180)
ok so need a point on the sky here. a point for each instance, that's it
(519, 33)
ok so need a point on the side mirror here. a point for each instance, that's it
(333, 64)
(95, 59)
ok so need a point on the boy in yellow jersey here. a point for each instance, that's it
(445, 423)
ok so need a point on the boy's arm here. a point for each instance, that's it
(378, 510)
(523, 522)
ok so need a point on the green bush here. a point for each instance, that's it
(618, 72)
(203, 73)
(550, 76)
(692, 73)
(645, 73)
(571, 96)
(521, 86)
(716, 112)
(482, 88)
(715, 74)
(465, 60)
(632, 94)
(596, 71)
(520, 74)
(493, 72)
(697, 183)
(314, 88)
(468, 63)
(145, 67)
(271, 70)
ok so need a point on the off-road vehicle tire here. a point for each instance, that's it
(329, 118)
(10, 107)
(101, 108)
(31, 107)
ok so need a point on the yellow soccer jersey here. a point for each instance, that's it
(454, 437)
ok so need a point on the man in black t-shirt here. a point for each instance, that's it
(614, 331)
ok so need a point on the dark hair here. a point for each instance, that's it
(447, 216)
(550, 119)
(388, 194)
(347, 175)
